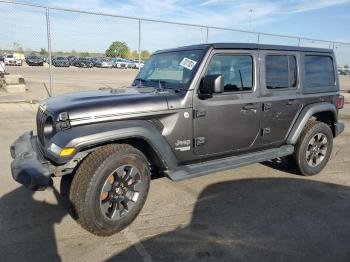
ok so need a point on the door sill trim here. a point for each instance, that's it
(218, 165)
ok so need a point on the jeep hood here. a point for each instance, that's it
(105, 103)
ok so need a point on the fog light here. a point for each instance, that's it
(67, 151)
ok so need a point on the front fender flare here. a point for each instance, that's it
(305, 115)
(87, 136)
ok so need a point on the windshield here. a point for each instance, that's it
(169, 70)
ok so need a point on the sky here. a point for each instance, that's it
(322, 19)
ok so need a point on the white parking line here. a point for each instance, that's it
(141, 250)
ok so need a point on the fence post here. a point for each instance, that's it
(299, 41)
(258, 38)
(139, 44)
(207, 35)
(333, 45)
(49, 48)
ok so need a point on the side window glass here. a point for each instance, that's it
(281, 71)
(319, 71)
(236, 70)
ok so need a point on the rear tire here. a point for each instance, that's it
(314, 148)
(110, 188)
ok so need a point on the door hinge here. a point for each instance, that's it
(267, 106)
(199, 141)
(198, 113)
(265, 131)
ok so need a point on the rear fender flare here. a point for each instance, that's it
(305, 115)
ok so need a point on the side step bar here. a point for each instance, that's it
(201, 169)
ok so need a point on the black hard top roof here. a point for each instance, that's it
(248, 46)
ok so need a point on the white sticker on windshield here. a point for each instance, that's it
(188, 63)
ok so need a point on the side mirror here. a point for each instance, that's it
(211, 84)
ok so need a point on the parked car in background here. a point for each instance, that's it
(103, 63)
(12, 60)
(136, 64)
(83, 62)
(34, 60)
(2, 68)
(60, 62)
(341, 72)
(72, 59)
(94, 60)
(120, 63)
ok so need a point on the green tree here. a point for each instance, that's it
(117, 49)
(134, 54)
(43, 52)
(346, 66)
(145, 54)
(17, 47)
(85, 54)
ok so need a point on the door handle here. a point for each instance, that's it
(250, 107)
(292, 102)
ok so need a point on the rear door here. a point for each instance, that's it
(281, 94)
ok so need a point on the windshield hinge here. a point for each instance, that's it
(198, 113)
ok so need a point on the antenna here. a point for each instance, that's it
(250, 18)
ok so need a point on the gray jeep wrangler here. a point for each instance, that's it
(190, 111)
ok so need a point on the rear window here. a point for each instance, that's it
(281, 71)
(319, 71)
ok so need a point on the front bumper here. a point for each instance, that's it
(13, 63)
(61, 65)
(28, 167)
(35, 63)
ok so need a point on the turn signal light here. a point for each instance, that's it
(67, 151)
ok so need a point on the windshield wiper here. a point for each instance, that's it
(161, 84)
(140, 81)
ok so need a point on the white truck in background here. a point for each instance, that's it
(2, 67)
(12, 60)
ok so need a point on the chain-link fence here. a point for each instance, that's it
(56, 34)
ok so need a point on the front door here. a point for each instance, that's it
(229, 121)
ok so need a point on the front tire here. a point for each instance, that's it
(110, 188)
(314, 148)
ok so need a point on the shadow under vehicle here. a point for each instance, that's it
(274, 219)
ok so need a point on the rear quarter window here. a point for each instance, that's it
(281, 71)
(319, 72)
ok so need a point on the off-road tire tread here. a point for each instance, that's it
(83, 180)
(310, 125)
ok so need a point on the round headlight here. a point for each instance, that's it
(49, 129)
